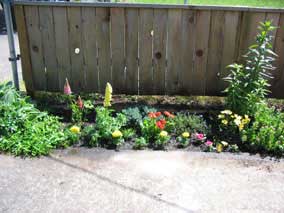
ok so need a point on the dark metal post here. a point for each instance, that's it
(10, 33)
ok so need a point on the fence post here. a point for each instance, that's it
(10, 33)
(185, 1)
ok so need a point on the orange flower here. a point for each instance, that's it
(168, 114)
(161, 124)
(158, 114)
(152, 115)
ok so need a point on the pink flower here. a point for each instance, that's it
(67, 88)
(199, 136)
(209, 143)
(80, 103)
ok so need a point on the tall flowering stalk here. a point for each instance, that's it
(108, 95)
(67, 88)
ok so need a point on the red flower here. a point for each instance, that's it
(158, 114)
(152, 115)
(80, 103)
(168, 114)
(161, 124)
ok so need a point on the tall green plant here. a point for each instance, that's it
(248, 82)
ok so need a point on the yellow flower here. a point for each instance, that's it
(246, 120)
(227, 112)
(241, 126)
(163, 134)
(219, 147)
(185, 135)
(75, 129)
(117, 134)
(221, 116)
(238, 120)
(224, 143)
(108, 95)
(225, 122)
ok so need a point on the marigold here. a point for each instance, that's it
(219, 147)
(117, 134)
(185, 135)
(75, 129)
(158, 114)
(163, 134)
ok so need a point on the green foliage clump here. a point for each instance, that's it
(24, 130)
(140, 143)
(187, 123)
(105, 125)
(248, 82)
(266, 134)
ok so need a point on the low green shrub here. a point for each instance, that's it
(187, 123)
(140, 143)
(24, 130)
(266, 134)
(106, 124)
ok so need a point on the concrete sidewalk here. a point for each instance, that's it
(90, 180)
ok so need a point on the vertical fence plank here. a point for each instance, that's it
(201, 52)
(145, 51)
(173, 83)
(24, 48)
(230, 45)
(118, 49)
(159, 50)
(49, 50)
(187, 50)
(90, 49)
(249, 30)
(75, 39)
(131, 50)
(278, 81)
(35, 43)
(62, 45)
(103, 41)
(215, 52)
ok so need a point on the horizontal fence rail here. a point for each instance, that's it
(139, 48)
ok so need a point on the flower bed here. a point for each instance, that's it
(243, 121)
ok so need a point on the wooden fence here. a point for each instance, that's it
(139, 48)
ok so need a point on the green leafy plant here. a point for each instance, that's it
(187, 123)
(161, 140)
(149, 129)
(183, 140)
(24, 130)
(105, 125)
(140, 143)
(266, 134)
(248, 82)
(128, 133)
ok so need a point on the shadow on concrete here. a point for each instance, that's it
(110, 181)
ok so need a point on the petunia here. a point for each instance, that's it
(208, 143)
(199, 136)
